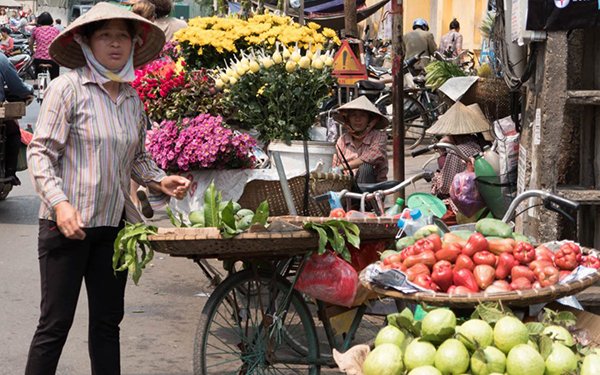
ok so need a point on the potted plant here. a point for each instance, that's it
(279, 96)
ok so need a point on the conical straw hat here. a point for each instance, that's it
(363, 103)
(487, 135)
(67, 52)
(460, 119)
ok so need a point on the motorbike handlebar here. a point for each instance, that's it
(420, 151)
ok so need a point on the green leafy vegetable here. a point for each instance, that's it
(336, 233)
(132, 251)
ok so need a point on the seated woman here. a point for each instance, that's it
(7, 43)
(363, 145)
(463, 127)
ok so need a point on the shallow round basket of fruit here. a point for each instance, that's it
(492, 263)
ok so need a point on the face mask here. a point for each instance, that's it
(102, 74)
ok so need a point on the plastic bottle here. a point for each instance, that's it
(395, 209)
(493, 158)
(488, 184)
(415, 221)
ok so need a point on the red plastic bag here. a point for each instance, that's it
(329, 278)
(465, 195)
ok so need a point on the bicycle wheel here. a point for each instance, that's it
(415, 118)
(415, 122)
(245, 328)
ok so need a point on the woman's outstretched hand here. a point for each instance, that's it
(175, 186)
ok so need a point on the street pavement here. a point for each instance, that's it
(161, 313)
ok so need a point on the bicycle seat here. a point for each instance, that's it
(45, 66)
(419, 80)
(371, 187)
(370, 85)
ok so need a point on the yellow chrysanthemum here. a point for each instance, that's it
(314, 26)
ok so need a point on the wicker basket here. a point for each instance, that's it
(492, 95)
(515, 298)
(257, 191)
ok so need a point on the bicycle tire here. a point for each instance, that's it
(416, 119)
(240, 329)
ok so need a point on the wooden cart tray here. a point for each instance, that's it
(515, 298)
(371, 228)
(208, 243)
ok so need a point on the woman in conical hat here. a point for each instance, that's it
(88, 144)
(461, 126)
(364, 144)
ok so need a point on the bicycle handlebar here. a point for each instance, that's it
(441, 145)
(540, 194)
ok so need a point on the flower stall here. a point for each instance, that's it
(227, 87)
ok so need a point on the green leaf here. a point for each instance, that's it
(174, 221)
(228, 216)
(545, 344)
(534, 328)
(322, 238)
(212, 199)
(262, 214)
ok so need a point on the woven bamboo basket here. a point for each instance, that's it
(257, 191)
(515, 298)
(492, 95)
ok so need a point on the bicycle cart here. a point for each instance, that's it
(255, 322)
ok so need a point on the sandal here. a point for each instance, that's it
(145, 206)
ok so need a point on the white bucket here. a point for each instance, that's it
(292, 155)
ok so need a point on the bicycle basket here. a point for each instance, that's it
(498, 191)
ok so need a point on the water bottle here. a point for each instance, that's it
(415, 221)
(489, 186)
(493, 158)
(395, 209)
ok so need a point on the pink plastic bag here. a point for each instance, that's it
(329, 278)
(464, 194)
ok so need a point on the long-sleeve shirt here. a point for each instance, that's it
(452, 166)
(86, 148)
(373, 150)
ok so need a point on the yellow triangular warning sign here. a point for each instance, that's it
(346, 62)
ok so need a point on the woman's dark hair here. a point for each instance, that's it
(5, 30)
(163, 7)
(89, 29)
(44, 19)
(454, 25)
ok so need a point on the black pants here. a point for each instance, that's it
(64, 264)
(54, 70)
(13, 144)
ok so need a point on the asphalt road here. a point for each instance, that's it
(161, 314)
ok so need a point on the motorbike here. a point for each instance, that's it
(23, 63)
(7, 182)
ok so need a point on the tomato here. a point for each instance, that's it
(590, 261)
(427, 258)
(425, 281)
(448, 252)
(567, 257)
(337, 212)
(475, 243)
(436, 240)
(424, 245)
(543, 253)
(484, 257)
(506, 261)
(464, 277)
(484, 275)
(524, 252)
(442, 274)
(464, 261)
(415, 270)
(547, 276)
(522, 283)
(522, 271)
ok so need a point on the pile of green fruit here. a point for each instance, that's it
(491, 342)
(228, 216)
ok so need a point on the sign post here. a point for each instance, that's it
(397, 92)
(347, 68)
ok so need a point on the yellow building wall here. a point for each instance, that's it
(439, 14)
